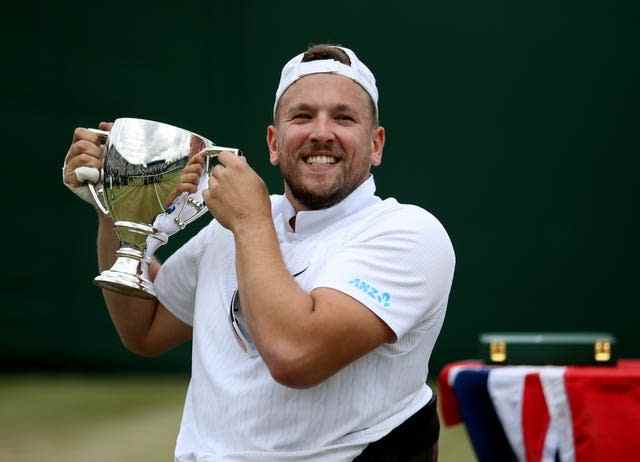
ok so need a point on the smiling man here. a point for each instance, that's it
(325, 139)
(313, 314)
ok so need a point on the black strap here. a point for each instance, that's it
(415, 440)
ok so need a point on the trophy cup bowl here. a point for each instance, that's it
(143, 162)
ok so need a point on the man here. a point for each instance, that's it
(312, 314)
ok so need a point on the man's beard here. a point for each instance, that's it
(309, 199)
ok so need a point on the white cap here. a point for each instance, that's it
(357, 71)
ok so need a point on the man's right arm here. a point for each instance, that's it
(145, 327)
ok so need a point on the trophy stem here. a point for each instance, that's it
(128, 275)
(133, 227)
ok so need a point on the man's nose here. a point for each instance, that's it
(322, 130)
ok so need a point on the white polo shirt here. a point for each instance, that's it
(395, 259)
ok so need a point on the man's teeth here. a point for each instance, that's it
(320, 160)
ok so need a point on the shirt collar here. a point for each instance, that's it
(311, 221)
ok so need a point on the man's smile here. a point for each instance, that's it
(320, 160)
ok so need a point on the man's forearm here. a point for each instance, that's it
(107, 243)
(131, 316)
(275, 306)
(304, 338)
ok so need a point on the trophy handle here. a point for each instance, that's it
(99, 132)
(200, 207)
(96, 198)
(213, 151)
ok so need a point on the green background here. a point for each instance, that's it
(515, 123)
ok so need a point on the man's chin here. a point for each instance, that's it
(314, 200)
(315, 193)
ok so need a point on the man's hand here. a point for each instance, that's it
(237, 197)
(85, 151)
(84, 161)
(189, 178)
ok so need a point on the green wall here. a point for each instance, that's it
(515, 123)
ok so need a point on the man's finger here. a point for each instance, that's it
(85, 147)
(87, 135)
(186, 187)
(192, 178)
(193, 168)
(106, 126)
(198, 157)
(227, 158)
(213, 184)
(83, 160)
(217, 171)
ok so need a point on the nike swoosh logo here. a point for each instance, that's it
(300, 272)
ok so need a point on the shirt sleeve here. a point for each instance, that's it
(401, 268)
(176, 282)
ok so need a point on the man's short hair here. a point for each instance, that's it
(325, 51)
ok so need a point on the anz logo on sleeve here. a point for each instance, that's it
(382, 297)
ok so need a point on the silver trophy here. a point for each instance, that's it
(142, 167)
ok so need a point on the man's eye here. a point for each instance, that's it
(345, 117)
(301, 116)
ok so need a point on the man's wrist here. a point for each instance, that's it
(252, 227)
(104, 220)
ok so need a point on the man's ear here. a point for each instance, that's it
(272, 143)
(377, 145)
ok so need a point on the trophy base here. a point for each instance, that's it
(123, 284)
(127, 276)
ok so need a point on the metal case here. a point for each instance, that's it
(513, 348)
